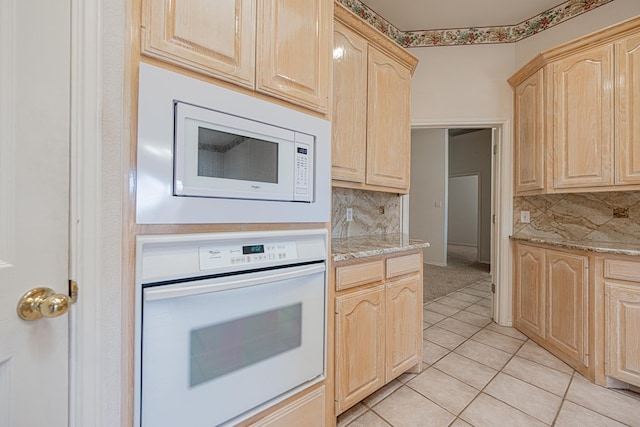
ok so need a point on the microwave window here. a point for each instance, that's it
(231, 156)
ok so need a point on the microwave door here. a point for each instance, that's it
(230, 157)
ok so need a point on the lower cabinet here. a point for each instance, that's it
(551, 304)
(567, 291)
(378, 325)
(360, 345)
(621, 283)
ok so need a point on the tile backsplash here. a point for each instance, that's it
(597, 217)
(374, 212)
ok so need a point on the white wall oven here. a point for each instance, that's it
(207, 154)
(227, 324)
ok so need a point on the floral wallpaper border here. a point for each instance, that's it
(480, 35)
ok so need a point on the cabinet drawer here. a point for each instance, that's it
(403, 265)
(622, 270)
(349, 276)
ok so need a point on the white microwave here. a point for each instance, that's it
(208, 154)
(222, 155)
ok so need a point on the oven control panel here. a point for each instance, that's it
(249, 255)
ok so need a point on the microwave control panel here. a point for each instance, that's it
(258, 255)
(304, 167)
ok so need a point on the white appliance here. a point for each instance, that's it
(220, 155)
(227, 324)
(207, 154)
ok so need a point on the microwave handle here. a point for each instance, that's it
(177, 291)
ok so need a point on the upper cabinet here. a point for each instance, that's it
(349, 124)
(627, 107)
(529, 135)
(575, 115)
(583, 118)
(281, 48)
(371, 107)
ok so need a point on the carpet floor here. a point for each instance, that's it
(462, 270)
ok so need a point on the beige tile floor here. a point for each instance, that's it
(477, 373)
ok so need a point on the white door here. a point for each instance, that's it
(34, 207)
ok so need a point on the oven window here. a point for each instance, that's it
(231, 156)
(219, 349)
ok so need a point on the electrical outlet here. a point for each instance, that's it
(525, 217)
(349, 214)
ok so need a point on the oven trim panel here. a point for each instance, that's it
(155, 199)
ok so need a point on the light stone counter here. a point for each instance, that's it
(345, 248)
(616, 248)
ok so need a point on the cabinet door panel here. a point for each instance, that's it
(529, 134)
(628, 111)
(403, 325)
(567, 311)
(583, 114)
(360, 345)
(349, 125)
(623, 332)
(388, 122)
(214, 38)
(529, 296)
(294, 51)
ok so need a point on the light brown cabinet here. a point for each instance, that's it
(349, 124)
(360, 345)
(567, 290)
(378, 332)
(371, 107)
(627, 106)
(551, 305)
(529, 159)
(529, 290)
(587, 125)
(621, 283)
(280, 48)
(583, 118)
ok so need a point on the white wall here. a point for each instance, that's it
(604, 16)
(428, 186)
(462, 210)
(462, 84)
(471, 153)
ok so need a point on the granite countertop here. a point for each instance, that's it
(344, 248)
(616, 248)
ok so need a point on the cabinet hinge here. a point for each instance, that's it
(73, 290)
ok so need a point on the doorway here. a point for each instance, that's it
(450, 205)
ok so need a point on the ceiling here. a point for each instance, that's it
(415, 15)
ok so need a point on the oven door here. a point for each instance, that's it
(218, 350)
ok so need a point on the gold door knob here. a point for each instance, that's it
(42, 302)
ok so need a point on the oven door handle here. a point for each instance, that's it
(182, 290)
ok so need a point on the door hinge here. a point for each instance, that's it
(73, 290)
(493, 288)
(495, 148)
(493, 218)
